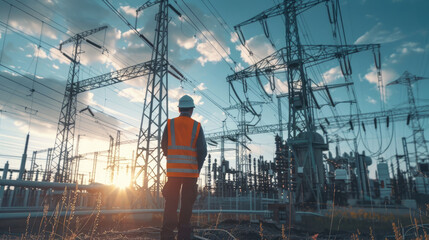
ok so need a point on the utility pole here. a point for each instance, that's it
(110, 167)
(63, 147)
(23, 159)
(48, 170)
(420, 147)
(116, 157)
(407, 163)
(76, 162)
(94, 168)
(279, 109)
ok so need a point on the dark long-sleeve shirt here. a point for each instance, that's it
(201, 144)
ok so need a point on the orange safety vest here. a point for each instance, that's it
(182, 147)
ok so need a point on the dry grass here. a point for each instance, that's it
(61, 227)
(356, 223)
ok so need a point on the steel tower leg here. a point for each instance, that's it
(63, 147)
(300, 105)
(155, 114)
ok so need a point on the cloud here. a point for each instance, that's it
(280, 86)
(199, 118)
(88, 98)
(388, 75)
(405, 49)
(38, 51)
(200, 87)
(211, 51)
(130, 34)
(187, 43)
(332, 74)
(411, 47)
(129, 10)
(44, 104)
(132, 94)
(176, 93)
(259, 46)
(54, 54)
(234, 37)
(55, 66)
(31, 26)
(210, 46)
(379, 35)
(371, 100)
(83, 15)
(93, 55)
(238, 67)
(28, 24)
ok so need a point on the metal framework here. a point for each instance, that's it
(349, 121)
(310, 54)
(292, 58)
(138, 70)
(65, 132)
(116, 156)
(155, 113)
(63, 147)
(420, 147)
(241, 137)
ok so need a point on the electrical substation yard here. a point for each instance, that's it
(314, 131)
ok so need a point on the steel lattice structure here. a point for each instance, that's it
(292, 59)
(63, 147)
(155, 113)
(342, 121)
(420, 147)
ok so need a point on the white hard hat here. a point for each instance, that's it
(186, 102)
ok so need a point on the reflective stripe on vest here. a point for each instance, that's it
(182, 152)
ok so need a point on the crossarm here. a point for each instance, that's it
(311, 53)
(139, 70)
(278, 10)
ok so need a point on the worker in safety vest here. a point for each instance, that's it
(184, 144)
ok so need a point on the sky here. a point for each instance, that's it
(205, 48)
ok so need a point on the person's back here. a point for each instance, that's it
(183, 143)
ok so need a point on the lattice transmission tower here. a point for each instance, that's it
(155, 111)
(63, 148)
(294, 58)
(242, 137)
(420, 147)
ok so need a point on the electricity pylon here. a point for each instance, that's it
(293, 58)
(155, 111)
(155, 72)
(243, 107)
(63, 147)
(420, 147)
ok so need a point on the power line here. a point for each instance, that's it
(60, 101)
(64, 32)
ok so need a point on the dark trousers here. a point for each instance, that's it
(171, 193)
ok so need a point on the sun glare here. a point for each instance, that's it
(122, 181)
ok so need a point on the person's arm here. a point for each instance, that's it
(164, 141)
(201, 149)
